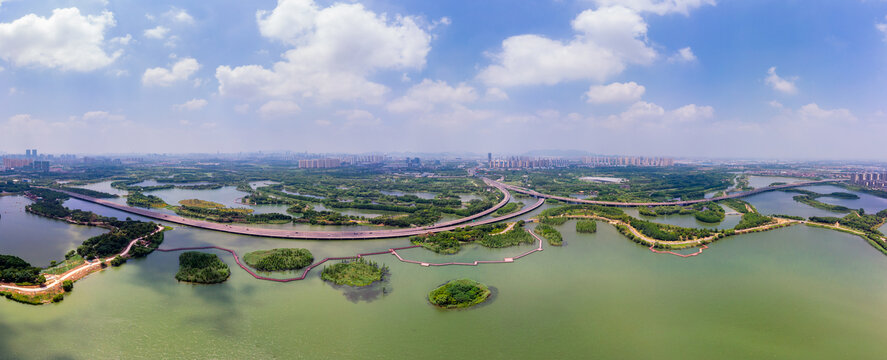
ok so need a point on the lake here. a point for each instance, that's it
(799, 292)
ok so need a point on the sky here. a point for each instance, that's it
(783, 79)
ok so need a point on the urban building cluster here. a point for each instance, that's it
(326, 163)
(627, 161)
(870, 180)
(521, 162)
(29, 162)
(363, 159)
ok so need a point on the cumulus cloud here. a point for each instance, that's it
(424, 96)
(606, 41)
(357, 117)
(659, 7)
(180, 71)
(649, 115)
(157, 33)
(813, 111)
(615, 92)
(334, 50)
(99, 115)
(277, 108)
(882, 27)
(179, 16)
(122, 40)
(684, 55)
(191, 105)
(495, 94)
(66, 41)
(778, 83)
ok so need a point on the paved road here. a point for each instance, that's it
(681, 203)
(332, 235)
(77, 270)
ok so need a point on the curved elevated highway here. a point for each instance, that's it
(680, 202)
(331, 235)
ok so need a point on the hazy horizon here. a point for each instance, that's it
(679, 78)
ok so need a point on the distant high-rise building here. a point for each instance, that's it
(34, 152)
(319, 163)
(490, 159)
(16, 164)
(28, 152)
(627, 161)
(871, 180)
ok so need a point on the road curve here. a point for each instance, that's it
(680, 203)
(322, 235)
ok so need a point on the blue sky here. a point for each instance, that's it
(751, 78)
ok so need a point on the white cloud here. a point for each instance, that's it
(335, 49)
(191, 105)
(495, 94)
(122, 40)
(179, 15)
(812, 111)
(607, 40)
(99, 115)
(685, 55)
(882, 27)
(423, 96)
(647, 115)
(358, 117)
(778, 83)
(242, 108)
(692, 112)
(66, 40)
(276, 108)
(180, 71)
(615, 92)
(158, 32)
(659, 7)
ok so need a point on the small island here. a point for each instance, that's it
(202, 268)
(360, 272)
(279, 259)
(459, 294)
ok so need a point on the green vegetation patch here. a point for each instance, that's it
(752, 220)
(360, 272)
(549, 233)
(586, 226)
(810, 198)
(279, 259)
(202, 268)
(459, 294)
(216, 212)
(138, 199)
(738, 205)
(508, 209)
(14, 269)
(490, 235)
(203, 204)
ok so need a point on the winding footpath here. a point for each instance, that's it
(668, 203)
(392, 251)
(88, 267)
(327, 235)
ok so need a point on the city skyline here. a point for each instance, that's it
(685, 78)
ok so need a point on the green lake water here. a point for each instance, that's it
(794, 293)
